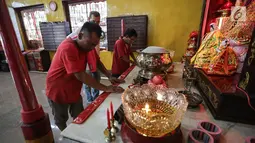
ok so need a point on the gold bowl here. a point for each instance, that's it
(154, 111)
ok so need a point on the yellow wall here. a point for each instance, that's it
(57, 15)
(106, 58)
(170, 21)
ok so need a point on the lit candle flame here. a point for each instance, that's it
(146, 108)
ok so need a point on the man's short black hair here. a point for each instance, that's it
(95, 13)
(130, 32)
(89, 27)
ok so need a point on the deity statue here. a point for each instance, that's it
(191, 50)
(236, 33)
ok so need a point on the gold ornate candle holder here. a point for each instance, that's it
(154, 111)
(114, 128)
(109, 136)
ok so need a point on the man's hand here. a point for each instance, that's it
(114, 80)
(114, 89)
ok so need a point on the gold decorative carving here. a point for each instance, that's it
(215, 100)
(252, 53)
(243, 84)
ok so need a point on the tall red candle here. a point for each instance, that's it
(108, 119)
(111, 110)
(122, 27)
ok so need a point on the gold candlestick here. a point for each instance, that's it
(109, 136)
(114, 128)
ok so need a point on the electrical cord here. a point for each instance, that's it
(248, 98)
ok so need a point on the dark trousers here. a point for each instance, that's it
(60, 112)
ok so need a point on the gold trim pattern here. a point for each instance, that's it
(215, 100)
(250, 59)
(243, 84)
(212, 97)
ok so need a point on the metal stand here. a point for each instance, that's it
(189, 76)
(114, 128)
(109, 136)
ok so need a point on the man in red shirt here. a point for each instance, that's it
(92, 69)
(67, 74)
(122, 52)
(94, 63)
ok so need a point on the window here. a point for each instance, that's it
(30, 19)
(79, 13)
(16, 27)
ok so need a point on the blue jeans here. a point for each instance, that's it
(92, 93)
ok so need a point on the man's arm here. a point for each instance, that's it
(126, 59)
(102, 68)
(74, 65)
(90, 81)
(122, 55)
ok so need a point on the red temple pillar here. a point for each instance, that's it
(36, 126)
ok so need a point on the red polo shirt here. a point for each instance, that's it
(61, 84)
(92, 60)
(92, 56)
(120, 49)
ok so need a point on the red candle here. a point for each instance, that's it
(108, 119)
(122, 27)
(111, 110)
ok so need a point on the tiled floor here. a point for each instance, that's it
(10, 121)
